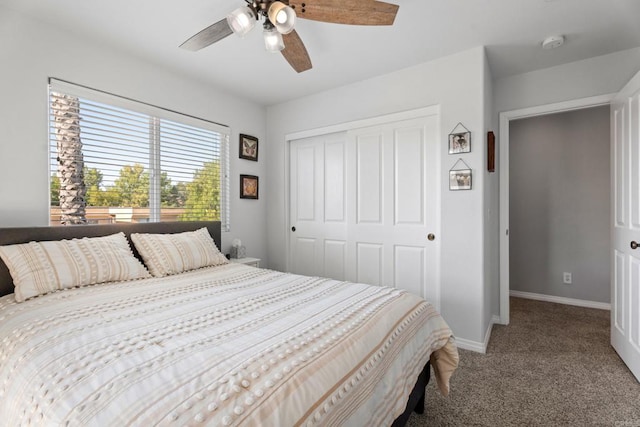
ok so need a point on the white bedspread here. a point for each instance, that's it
(228, 345)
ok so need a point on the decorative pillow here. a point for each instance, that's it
(38, 268)
(166, 254)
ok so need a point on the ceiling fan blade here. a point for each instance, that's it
(295, 53)
(208, 36)
(351, 12)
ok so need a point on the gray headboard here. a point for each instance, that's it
(11, 236)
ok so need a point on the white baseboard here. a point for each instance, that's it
(478, 347)
(561, 300)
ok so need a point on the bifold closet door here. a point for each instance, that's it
(363, 204)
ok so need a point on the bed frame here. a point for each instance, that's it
(11, 236)
(416, 398)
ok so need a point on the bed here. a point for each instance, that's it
(223, 344)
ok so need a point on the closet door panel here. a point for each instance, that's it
(365, 200)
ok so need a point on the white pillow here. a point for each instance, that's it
(38, 268)
(166, 254)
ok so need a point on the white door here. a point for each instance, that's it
(363, 204)
(625, 265)
(318, 206)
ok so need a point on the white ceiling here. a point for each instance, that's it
(424, 30)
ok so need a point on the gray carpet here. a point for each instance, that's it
(552, 366)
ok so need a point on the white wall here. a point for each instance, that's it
(590, 77)
(33, 51)
(456, 84)
(491, 208)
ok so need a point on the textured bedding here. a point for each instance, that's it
(224, 345)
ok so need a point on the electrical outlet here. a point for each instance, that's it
(566, 278)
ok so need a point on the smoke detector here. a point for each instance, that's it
(553, 42)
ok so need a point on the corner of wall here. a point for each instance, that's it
(490, 206)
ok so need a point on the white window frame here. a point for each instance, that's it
(68, 88)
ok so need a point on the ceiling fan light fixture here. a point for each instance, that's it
(279, 18)
(273, 41)
(282, 16)
(242, 20)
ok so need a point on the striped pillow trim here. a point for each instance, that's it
(167, 254)
(38, 268)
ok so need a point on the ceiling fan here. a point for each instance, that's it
(279, 18)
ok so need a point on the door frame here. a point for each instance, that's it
(505, 118)
(357, 124)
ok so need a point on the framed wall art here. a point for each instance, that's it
(459, 140)
(249, 186)
(460, 177)
(248, 147)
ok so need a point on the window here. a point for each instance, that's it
(118, 160)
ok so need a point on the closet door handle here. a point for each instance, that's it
(293, 229)
(634, 244)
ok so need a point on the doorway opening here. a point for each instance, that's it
(505, 122)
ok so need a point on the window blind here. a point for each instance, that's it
(114, 159)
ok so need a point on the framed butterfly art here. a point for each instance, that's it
(248, 147)
(249, 186)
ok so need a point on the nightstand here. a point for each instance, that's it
(253, 262)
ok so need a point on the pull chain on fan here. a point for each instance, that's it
(280, 19)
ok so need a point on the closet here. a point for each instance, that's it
(364, 205)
